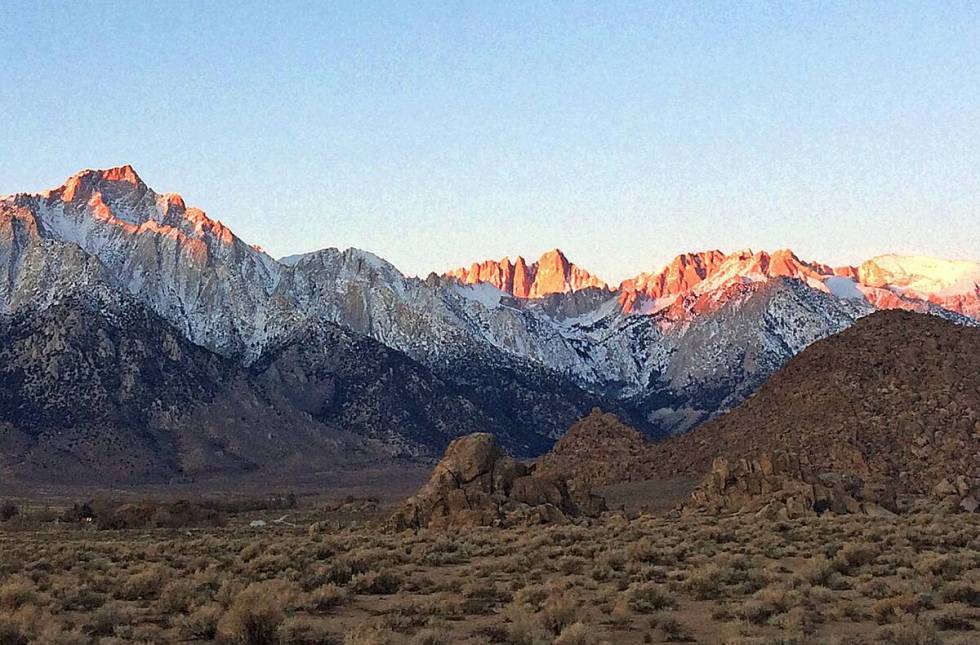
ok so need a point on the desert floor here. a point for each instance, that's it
(627, 578)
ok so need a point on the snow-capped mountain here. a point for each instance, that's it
(672, 347)
(191, 270)
(921, 275)
(951, 284)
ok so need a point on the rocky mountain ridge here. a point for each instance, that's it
(887, 281)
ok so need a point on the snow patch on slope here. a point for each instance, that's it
(483, 292)
(843, 287)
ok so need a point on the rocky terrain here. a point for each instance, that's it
(599, 450)
(782, 486)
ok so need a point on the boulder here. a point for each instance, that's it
(960, 495)
(476, 484)
(472, 457)
(962, 487)
(944, 489)
(782, 485)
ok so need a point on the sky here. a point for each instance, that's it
(436, 134)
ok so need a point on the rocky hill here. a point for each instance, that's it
(597, 450)
(476, 484)
(896, 397)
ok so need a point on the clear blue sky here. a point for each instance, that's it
(434, 134)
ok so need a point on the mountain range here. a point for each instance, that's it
(108, 287)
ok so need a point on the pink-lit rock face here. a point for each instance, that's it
(680, 276)
(113, 214)
(552, 273)
(119, 200)
(696, 274)
(176, 259)
(698, 281)
(889, 282)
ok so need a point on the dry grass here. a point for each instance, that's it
(913, 579)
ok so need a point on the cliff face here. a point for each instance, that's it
(886, 282)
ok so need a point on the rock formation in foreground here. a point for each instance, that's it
(781, 485)
(958, 494)
(476, 484)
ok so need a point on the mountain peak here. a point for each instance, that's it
(117, 197)
(125, 174)
(553, 255)
(922, 275)
(552, 273)
(114, 181)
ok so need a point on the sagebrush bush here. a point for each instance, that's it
(16, 592)
(648, 597)
(256, 613)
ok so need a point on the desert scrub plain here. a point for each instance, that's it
(845, 579)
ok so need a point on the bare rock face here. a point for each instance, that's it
(552, 273)
(781, 485)
(476, 484)
(681, 275)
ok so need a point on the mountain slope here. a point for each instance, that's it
(747, 332)
(351, 381)
(189, 269)
(92, 393)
